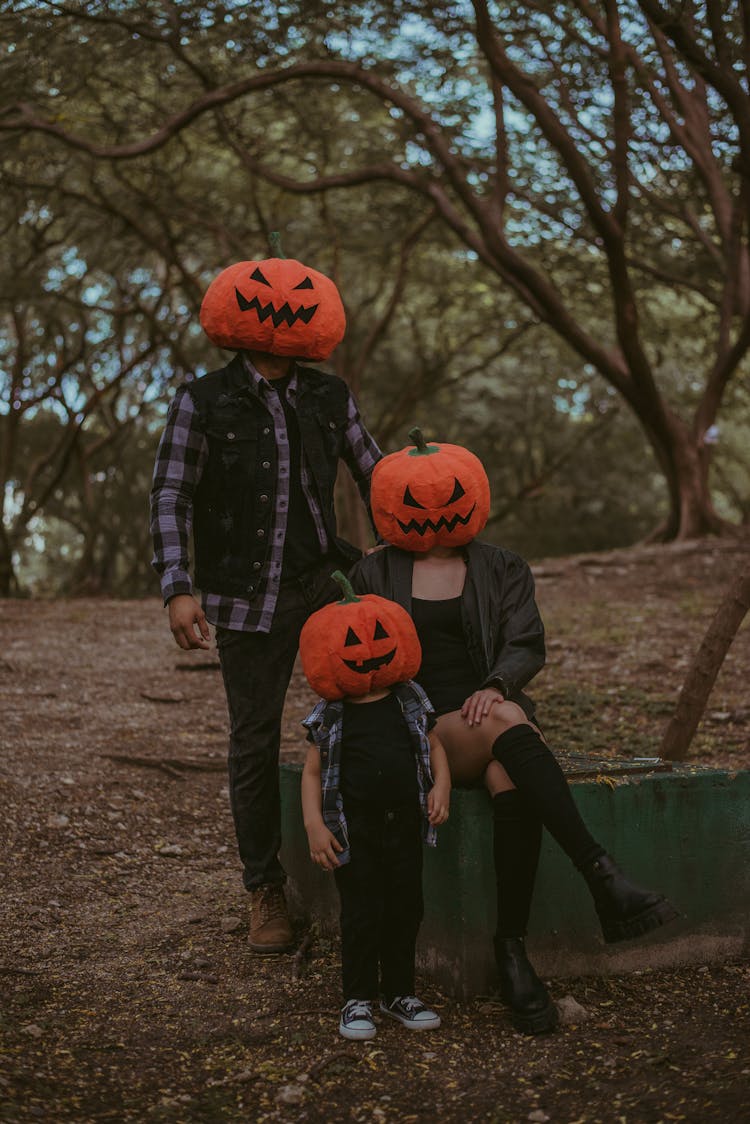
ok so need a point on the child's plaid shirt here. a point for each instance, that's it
(324, 728)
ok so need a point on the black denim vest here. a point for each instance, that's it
(233, 504)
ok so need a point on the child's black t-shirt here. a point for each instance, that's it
(378, 763)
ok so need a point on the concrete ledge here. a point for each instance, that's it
(686, 833)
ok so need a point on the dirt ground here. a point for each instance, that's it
(126, 988)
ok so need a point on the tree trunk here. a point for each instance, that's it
(705, 667)
(95, 571)
(685, 461)
(351, 514)
(8, 582)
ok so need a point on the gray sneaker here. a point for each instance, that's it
(356, 1020)
(411, 1012)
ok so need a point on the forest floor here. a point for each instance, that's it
(127, 991)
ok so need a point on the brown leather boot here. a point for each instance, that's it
(270, 928)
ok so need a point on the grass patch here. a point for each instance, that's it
(614, 722)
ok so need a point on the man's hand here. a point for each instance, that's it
(185, 615)
(324, 846)
(478, 705)
(438, 802)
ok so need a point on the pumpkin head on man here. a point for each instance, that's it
(276, 305)
(358, 645)
(429, 495)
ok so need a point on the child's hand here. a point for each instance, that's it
(324, 846)
(438, 802)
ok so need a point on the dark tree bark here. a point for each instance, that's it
(7, 572)
(705, 668)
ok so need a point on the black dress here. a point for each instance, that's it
(447, 673)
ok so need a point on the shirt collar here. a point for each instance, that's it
(261, 385)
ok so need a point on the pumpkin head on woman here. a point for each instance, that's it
(429, 495)
(358, 645)
(277, 305)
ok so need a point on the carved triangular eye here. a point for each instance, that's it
(409, 500)
(458, 491)
(351, 638)
(380, 633)
(306, 284)
(256, 275)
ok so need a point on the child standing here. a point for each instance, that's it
(374, 786)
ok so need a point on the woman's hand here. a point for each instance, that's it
(438, 802)
(478, 705)
(324, 846)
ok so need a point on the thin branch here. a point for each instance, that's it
(380, 325)
(549, 122)
(551, 468)
(621, 118)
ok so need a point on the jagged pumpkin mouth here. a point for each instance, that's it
(443, 523)
(372, 664)
(284, 315)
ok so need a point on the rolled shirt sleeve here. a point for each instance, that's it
(180, 459)
(360, 451)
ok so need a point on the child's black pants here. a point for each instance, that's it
(381, 901)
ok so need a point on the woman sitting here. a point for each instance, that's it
(482, 641)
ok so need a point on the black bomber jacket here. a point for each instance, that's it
(503, 629)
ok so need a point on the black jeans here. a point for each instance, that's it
(381, 902)
(257, 667)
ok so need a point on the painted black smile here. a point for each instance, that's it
(363, 666)
(283, 315)
(440, 524)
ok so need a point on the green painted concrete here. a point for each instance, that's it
(686, 833)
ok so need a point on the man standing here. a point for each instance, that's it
(248, 460)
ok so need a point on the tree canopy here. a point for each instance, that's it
(537, 215)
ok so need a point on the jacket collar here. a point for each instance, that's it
(402, 568)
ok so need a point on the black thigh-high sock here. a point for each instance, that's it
(535, 772)
(517, 841)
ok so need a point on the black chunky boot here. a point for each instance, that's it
(625, 910)
(531, 1008)
(517, 842)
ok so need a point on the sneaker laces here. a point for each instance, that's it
(410, 1003)
(357, 1009)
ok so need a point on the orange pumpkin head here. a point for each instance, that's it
(429, 495)
(358, 645)
(276, 305)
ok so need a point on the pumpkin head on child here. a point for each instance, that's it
(358, 645)
(429, 495)
(277, 305)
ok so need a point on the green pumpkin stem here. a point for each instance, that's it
(274, 241)
(422, 448)
(346, 588)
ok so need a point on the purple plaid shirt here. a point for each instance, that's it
(325, 727)
(179, 464)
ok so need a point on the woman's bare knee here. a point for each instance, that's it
(504, 716)
(469, 748)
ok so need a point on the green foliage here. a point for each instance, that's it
(106, 260)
